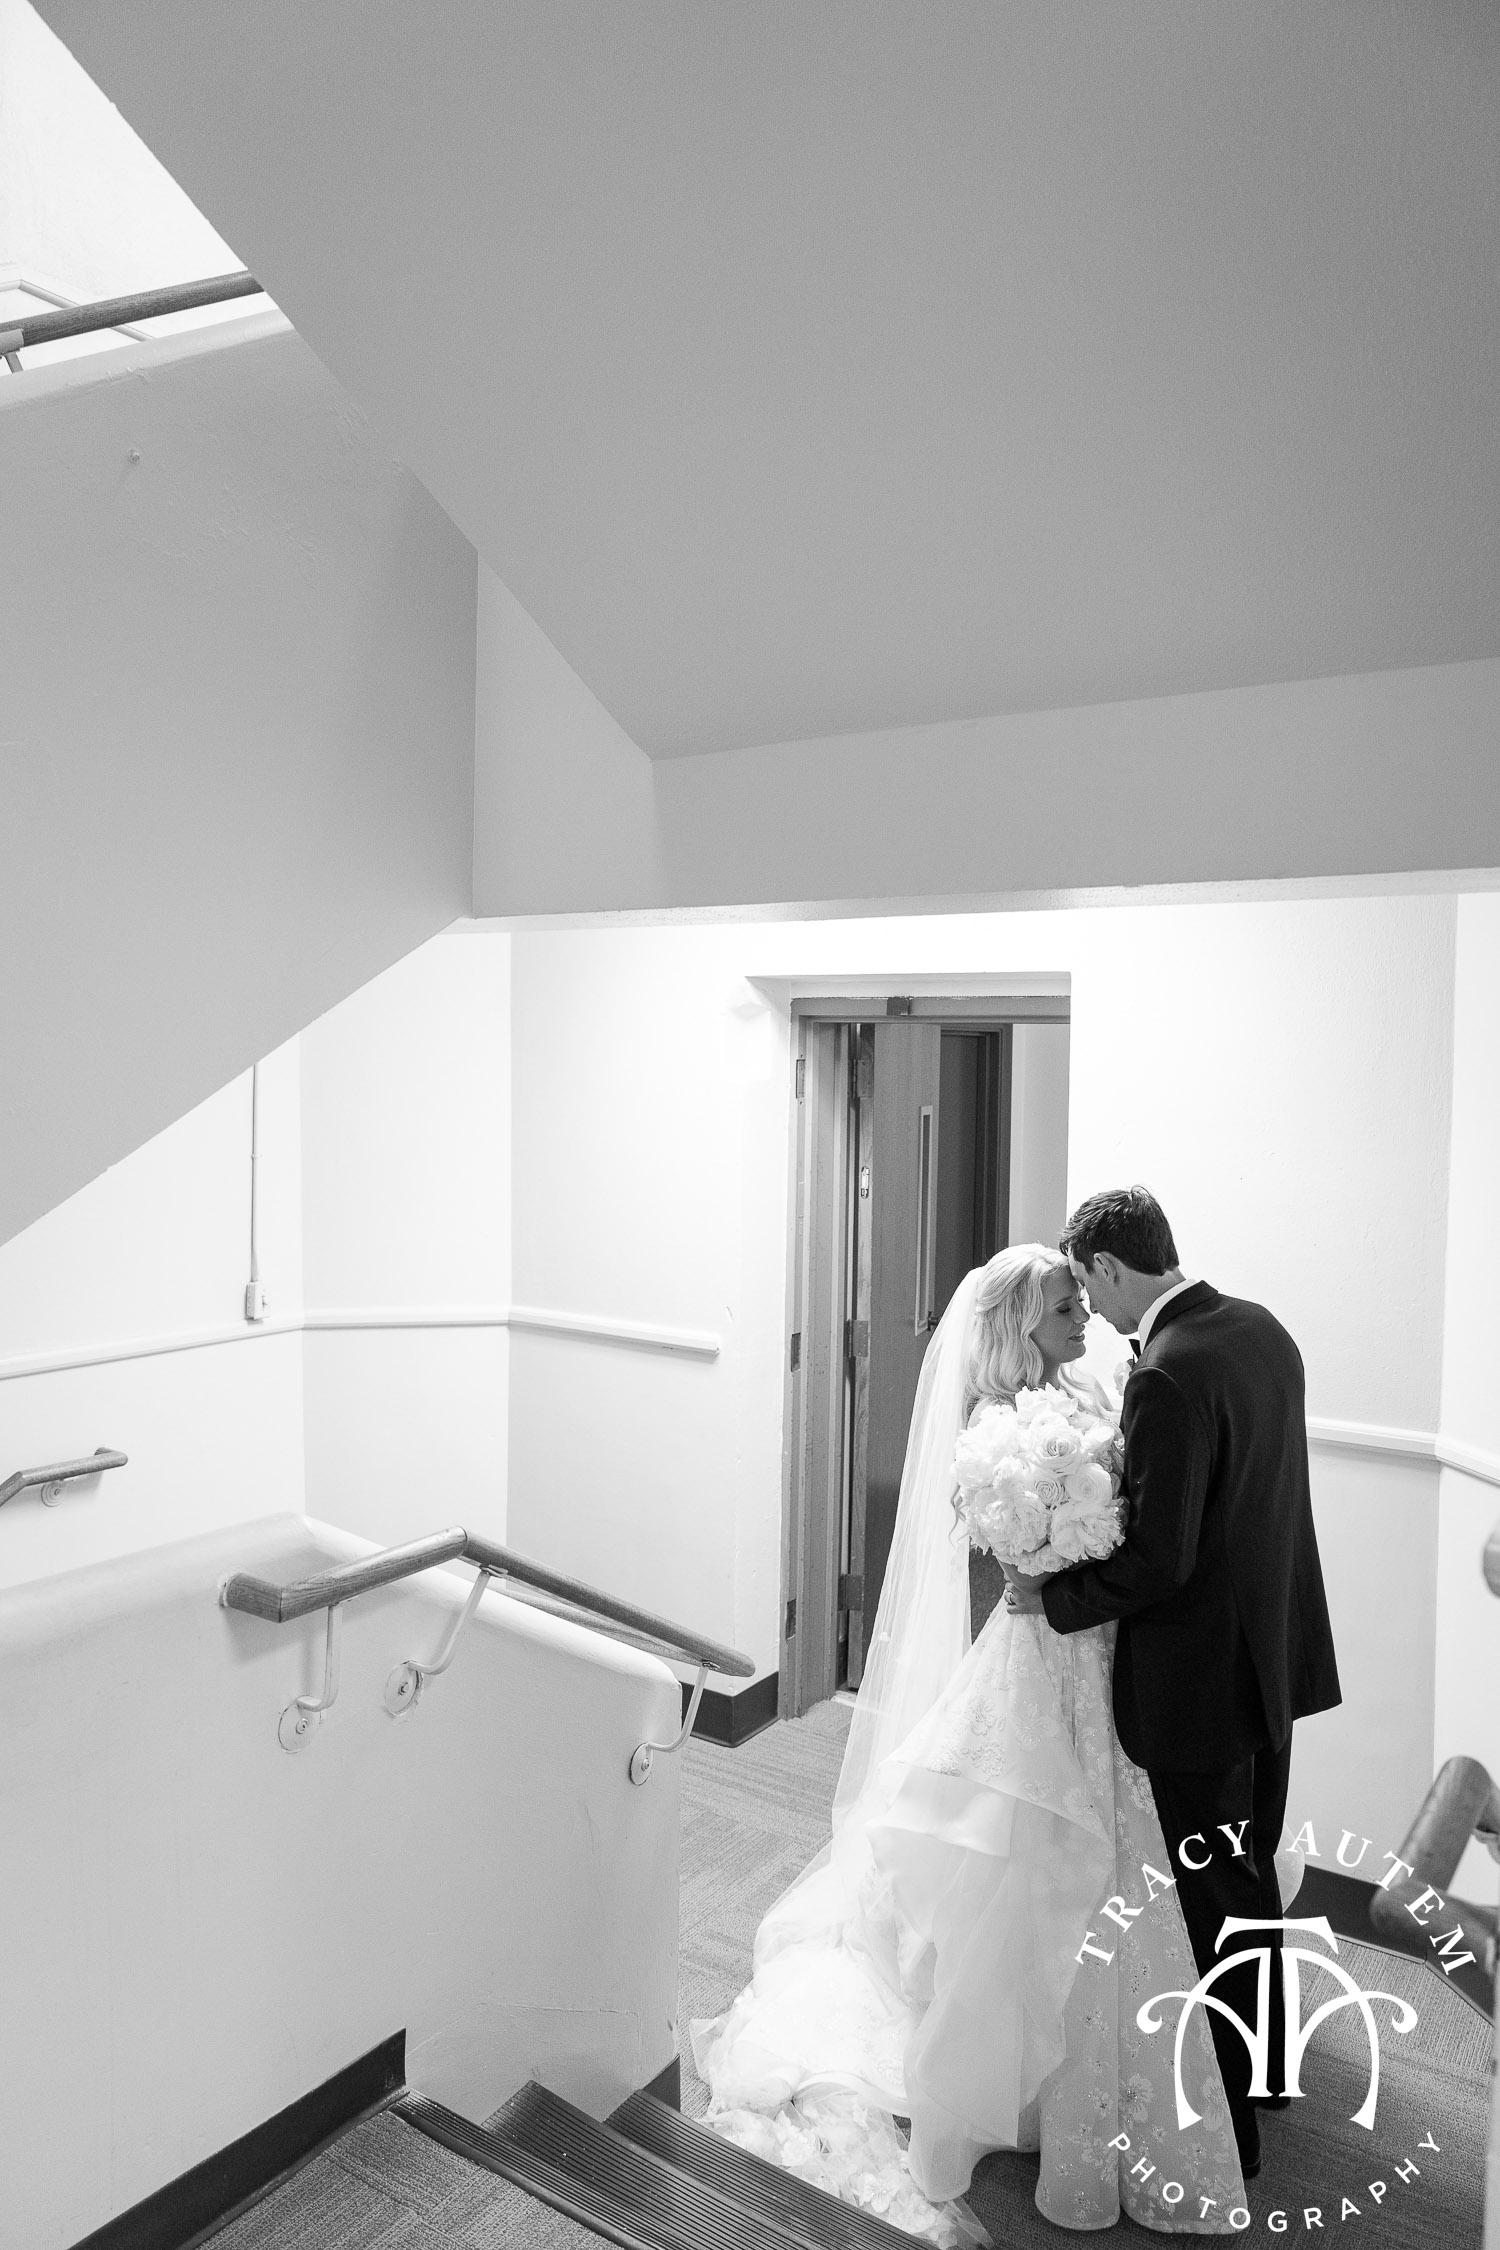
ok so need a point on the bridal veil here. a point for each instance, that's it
(826, 2019)
(921, 1628)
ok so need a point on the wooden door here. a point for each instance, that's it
(896, 1294)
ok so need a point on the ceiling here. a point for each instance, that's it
(812, 368)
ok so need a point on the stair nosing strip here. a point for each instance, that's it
(432, 2120)
(776, 2236)
(868, 2221)
(772, 2228)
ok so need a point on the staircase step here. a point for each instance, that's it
(601, 2178)
(801, 2209)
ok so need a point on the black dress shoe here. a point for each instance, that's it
(1250, 2171)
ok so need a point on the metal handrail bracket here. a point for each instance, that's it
(644, 1753)
(585, 1605)
(300, 1721)
(53, 1478)
(403, 1689)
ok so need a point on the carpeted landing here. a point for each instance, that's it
(753, 1817)
(385, 2186)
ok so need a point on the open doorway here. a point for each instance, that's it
(931, 1133)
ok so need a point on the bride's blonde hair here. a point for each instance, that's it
(1001, 1357)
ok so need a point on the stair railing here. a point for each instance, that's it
(17, 336)
(1463, 1803)
(58, 1473)
(516, 1576)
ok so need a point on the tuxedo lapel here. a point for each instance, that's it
(1189, 1301)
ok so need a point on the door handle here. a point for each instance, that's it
(925, 1315)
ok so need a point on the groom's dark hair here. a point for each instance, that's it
(1127, 1222)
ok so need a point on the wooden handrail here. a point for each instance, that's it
(1491, 1561)
(116, 312)
(552, 1605)
(1463, 1802)
(61, 1472)
(714, 1654)
(260, 1597)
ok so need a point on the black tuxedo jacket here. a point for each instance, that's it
(1224, 1637)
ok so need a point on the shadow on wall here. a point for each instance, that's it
(156, 1856)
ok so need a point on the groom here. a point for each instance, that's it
(1224, 1637)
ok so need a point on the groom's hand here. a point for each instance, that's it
(1023, 1595)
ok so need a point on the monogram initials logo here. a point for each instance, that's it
(1257, 2035)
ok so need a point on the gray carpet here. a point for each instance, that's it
(386, 2186)
(753, 1817)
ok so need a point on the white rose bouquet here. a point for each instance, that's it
(1039, 1482)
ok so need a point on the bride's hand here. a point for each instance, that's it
(1023, 1595)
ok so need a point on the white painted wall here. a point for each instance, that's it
(407, 1200)
(649, 1102)
(1333, 778)
(1468, 1664)
(1279, 1072)
(1038, 1132)
(213, 1928)
(237, 643)
(83, 201)
(564, 810)
(385, 1210)
(156, 1250)
(1472, 1323)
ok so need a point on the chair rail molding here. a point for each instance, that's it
(1382, 1440)
(682, 1343)
(579, 1327)
(1387, 1442)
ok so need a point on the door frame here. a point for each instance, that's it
(817, 1293)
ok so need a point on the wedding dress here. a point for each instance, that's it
(931, 1964)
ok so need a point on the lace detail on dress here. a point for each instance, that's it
(1116, 2078)
(839, 2144)
(930, 1968)
(1010, 1722)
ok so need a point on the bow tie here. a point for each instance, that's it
(1135, 1346)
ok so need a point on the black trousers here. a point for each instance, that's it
(1190, 1805)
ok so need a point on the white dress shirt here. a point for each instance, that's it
(1153, 1311)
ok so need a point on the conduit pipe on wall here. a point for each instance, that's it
(255, 1295)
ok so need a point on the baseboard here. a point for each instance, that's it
(732, 1719)
(189, 2209)
(1346, 1902)
(666, 2086)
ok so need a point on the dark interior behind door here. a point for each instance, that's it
(930, 1146)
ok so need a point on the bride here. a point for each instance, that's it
(947, 1959)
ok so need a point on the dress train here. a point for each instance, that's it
(930, 1966)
